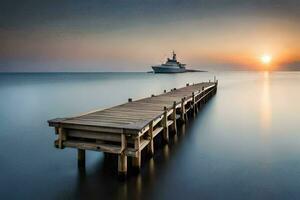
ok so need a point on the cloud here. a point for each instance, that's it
(293, 66)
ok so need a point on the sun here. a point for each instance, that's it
(266, 58)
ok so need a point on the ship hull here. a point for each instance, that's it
(158, 69)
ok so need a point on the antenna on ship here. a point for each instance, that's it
(174, 55)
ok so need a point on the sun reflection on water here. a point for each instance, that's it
(266, 102)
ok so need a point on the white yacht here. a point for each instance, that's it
(171, 66)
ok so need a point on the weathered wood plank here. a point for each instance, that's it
(157, 131)
(94, 135)
(109, 148)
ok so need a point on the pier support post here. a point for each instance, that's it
(173, 116)
(194, 104)
(122, 158)
(200, 104)
(81, 157)
(165, 126)
(150, 146)
(182, 114)
(122, 164)
(136, 161)
(197, 105)
(62, 136)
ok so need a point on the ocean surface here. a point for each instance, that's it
(244, 144)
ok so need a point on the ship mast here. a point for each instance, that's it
(174, 55)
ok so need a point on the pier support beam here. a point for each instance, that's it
(81, 157)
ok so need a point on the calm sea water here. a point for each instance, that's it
(245, 143)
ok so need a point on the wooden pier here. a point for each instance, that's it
(129, 128)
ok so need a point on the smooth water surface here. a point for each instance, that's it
(244, 144)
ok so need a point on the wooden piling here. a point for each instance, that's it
(150, 137)
(165, 126)
(122, 158)
(61, 137)
(136, 161)
(193, 104)
(173, 117)
(122, 164)
(81, 157)
(182, 110)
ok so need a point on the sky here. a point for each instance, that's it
(132, 35)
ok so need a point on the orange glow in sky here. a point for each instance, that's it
(248, 42)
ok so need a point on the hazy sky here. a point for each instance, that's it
(131, 35)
